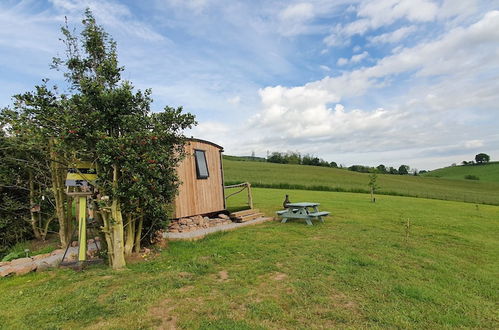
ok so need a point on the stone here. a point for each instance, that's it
(52, 261)
(23, 268)
(188, 220)
(40, 256)
(58, 251)
(74, 243)
(20, 261)
(4, 263)
(174, 231)
(5, 271)
(182, 221)
(223, 216)
(206, 219)
(43, 266)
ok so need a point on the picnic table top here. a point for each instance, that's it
(302, 204)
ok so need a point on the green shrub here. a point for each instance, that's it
(471, 177)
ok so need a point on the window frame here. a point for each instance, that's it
(198, 174)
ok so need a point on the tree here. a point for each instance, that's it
(373, 177)
(482, 158)
(333, 164)
(31, 122)
(381, 168)
(403, 169)
(105, 121)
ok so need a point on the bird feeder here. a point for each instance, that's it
(79, 181)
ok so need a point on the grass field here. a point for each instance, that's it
(272, 175)
(486, 172)
(358, 269)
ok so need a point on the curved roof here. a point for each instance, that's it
(207, 142)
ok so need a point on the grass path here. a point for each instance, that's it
(356, 270)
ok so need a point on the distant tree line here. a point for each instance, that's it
(291, 157)
(382, 169)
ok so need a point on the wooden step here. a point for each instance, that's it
(243, 213)
(249, 217)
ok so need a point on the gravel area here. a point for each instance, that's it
(200, 233)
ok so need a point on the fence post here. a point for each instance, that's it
(250, 197)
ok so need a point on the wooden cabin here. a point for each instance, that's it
(201, 173)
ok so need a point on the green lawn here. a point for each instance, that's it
(272, 175)
(486, 172)
(357, 269)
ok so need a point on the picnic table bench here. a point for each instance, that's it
(304, 210)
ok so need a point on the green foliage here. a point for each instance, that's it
(403, 169)
(296, 158)
(471, 177)
(104, 120)
(482, 158)
(353, 271)
(382, 169)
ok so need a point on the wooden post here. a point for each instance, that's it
(82, 228)
(250, 197)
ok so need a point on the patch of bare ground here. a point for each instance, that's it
(186, 288)
(340, 300)
(223, 275)
(163, 313)
(185, 275)
(279, 276)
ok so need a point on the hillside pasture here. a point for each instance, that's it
(485, 172)
(286, 176)
(361, 268)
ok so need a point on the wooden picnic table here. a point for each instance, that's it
(303, 210)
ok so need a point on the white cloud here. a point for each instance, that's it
(112, 14)
(294, 18)
(325, 68)
(394, 36)
(234, 100)
(463, 62)
(342, 61)
(354, 59)
(374, 14)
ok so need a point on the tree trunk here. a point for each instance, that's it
(130, 234)
(33, 221)
(116, 229)
(138, 234)
(57, 174)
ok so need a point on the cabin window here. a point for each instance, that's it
(201, 165)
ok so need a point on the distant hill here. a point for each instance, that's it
(244, 158)
(286, 176)
(486, 172)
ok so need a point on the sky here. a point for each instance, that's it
(389, 82)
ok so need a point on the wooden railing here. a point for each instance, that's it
(243, 186)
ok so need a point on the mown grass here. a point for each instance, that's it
(486, 172)
(358, 269)
(284, 176)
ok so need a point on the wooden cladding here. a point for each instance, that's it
(200, 195)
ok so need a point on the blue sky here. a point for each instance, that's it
(357, 82)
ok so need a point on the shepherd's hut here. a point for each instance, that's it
(202, 181)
